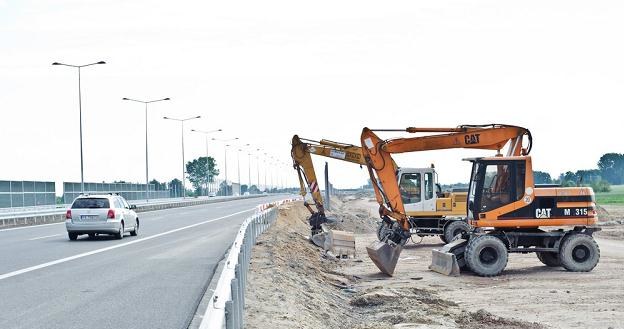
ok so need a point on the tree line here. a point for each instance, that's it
(609, 171)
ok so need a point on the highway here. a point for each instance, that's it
(154, 280)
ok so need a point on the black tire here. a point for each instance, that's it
(454, 228)
(135, 232)
(550, 259)
(486, 255)
(91, 235)
(119, 235)
(443, 238)
(72, 236)
(579, 253)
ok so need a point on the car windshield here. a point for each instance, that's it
(91, 203)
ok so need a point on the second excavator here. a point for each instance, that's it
(433, 211)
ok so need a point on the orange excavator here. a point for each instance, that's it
(504, 205)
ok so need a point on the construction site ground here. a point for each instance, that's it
(294, 284)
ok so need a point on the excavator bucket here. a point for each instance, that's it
(319, 239)
(449, 259)
(384, 255)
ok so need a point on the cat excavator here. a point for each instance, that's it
(505, 207)
(433, 212)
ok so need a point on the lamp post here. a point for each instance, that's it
(206, 133)
(238, 163)
(146, 158)
(80, 112)
(225, 156)
(258, 168)
(182, 132)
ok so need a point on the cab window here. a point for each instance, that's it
(410, 188)
(503, 184)
(428, 186)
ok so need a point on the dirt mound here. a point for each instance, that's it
(354, 213)
(611, 220)
(292, 284)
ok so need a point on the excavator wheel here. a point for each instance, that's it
(455, 228)
(486, 255)
(579, 253)
(550, 259)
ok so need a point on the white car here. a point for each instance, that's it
(101, 214)
(212, 194)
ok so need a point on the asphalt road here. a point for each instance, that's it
(153, 280)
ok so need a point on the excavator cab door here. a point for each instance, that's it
(494, 184)
(410, 186)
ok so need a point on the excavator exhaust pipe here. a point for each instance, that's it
(449, 259)
(384, 255)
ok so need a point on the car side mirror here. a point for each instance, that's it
(133, 206)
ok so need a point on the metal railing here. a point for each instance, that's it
(226, 308)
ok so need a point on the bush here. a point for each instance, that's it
(601, 186)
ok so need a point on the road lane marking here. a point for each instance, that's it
(97, 251)
(43, 237)
(31, 226)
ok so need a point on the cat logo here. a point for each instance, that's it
(542, 213)
(471, 139)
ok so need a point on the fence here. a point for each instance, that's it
(226, 306)
(26, 194)
(128, 190)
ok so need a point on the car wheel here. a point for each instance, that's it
(135, 232)
(72, 236)
(119, 235)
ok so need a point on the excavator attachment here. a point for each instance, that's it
(449, 259)
(384, 255)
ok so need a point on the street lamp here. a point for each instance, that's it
(238, 160)
(182, 132)
(258, 167)
(146, 161)
(80, 111)
(206, 133)
(225, 156)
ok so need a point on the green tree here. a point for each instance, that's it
(201, 171)
(541, 177)
(225, 189)
(254, 190)
(611, 166)
(175, 188)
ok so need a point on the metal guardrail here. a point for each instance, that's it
(226, 306)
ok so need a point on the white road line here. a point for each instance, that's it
(97, 251)
(31, 226)
(43, 237)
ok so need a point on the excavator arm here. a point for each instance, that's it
(378, 153)
(301, 152)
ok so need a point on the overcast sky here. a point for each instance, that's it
(265, 70)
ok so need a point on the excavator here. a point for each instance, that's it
(504, 206)
(435, 213)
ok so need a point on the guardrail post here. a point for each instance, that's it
(235, 303)
(229, 315)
